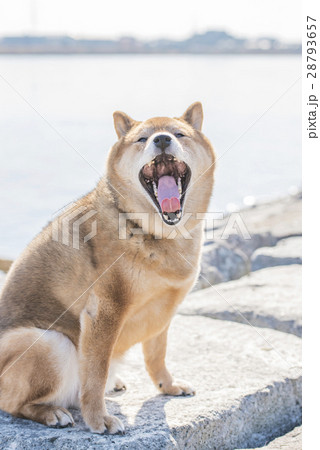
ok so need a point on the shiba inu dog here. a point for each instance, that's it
(68, 311)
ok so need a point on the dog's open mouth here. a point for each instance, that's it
(166, 179)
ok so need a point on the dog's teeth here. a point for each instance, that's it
(179, 185)
(155, 190)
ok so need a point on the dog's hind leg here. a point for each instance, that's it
(39, 375)
(53, 416)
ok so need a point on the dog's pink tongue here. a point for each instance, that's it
(168, 194)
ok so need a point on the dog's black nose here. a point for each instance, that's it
(162, 141)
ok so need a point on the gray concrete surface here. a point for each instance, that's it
(287, 251)
(267, 298)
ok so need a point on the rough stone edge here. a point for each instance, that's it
(256, 420)
(280, 413)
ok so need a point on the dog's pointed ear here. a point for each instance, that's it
(122, 123)
(194, 115)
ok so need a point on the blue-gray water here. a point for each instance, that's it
(40, 172)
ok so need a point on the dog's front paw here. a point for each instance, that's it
(113, 424)
(177, 387)
(108, 423)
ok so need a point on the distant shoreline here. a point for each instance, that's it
(212, 42)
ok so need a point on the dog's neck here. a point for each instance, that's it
(147, 222)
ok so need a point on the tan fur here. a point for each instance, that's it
(96, 308)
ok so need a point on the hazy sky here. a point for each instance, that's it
(149, 19)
